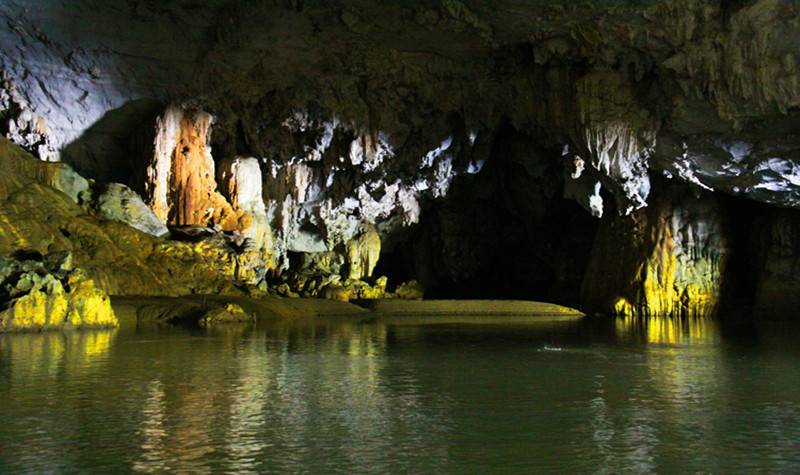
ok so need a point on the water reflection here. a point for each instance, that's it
(339, 395)
(667, 330)
(54, 353)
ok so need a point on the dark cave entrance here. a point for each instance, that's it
(506, 232)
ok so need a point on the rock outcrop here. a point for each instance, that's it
(41, 293)
(119, 203)
(363, 253)
(121, 260)
(241, 181)
(666, 260)
(450, 130)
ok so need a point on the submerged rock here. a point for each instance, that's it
(47, 293)
(228, 313)
(193, 313)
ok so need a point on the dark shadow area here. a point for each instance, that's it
(504, 233)
(764, 270)
(107, 151)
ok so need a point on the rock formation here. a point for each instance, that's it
(454, 140)
(121, 260)
(668, 259)
(242, 183)
(119, 203)
(363, 253)
(49, 293)
(181, 184)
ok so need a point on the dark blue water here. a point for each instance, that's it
(336, 396)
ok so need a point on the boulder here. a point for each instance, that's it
(120, 203)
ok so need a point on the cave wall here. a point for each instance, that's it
(452, 131)
(704, 90)
(776, 237)
(667, 259)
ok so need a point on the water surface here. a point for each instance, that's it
(342, 396)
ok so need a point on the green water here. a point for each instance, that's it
(338, 396)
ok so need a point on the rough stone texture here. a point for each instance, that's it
(363, 253)
(181, 184)
(119, 203)
(689, 71)
(242, 183)
(34, 217)
(340, 178)
(228, 313)
(368, 112)
(23, 126)
(666, 260)
(58, 176)
(43, 294)
(505, 232)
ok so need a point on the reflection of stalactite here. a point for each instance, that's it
(669, 330)
(153, 431)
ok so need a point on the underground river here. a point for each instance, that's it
(371, 395)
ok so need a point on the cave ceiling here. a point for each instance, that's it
(701, 91)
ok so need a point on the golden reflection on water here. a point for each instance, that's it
(52, 352)
(667, 330)
(267, 390)
(314, 394)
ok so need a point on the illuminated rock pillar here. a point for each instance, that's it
(667, 260)
(180, 183)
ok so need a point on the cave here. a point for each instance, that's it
(376, 178)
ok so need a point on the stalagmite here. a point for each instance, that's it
(181, 187)
(363, 253)
(241, 182)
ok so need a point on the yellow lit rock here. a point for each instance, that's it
(46, 304)
(120, 260)
(363, 253)
(665, 260)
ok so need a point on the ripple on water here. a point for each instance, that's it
(337, 397)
